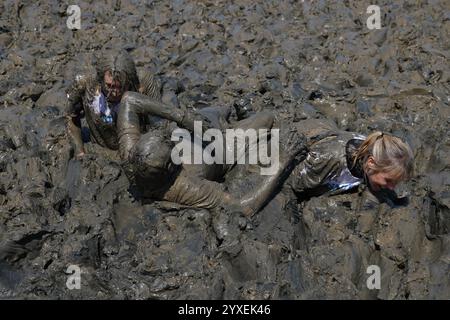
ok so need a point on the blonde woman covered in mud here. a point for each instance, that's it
(338, 161)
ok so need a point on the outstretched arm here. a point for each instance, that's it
(74, 130)
(135, 105)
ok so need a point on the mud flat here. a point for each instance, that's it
(299, 60)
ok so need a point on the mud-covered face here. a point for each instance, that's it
(113, 87)
(382, 180)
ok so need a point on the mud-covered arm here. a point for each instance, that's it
(292, 152)
(74, 111)
(134, 104)
(313, 171)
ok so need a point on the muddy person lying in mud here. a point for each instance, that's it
(339, 161)
(115, 114)
(118, 107)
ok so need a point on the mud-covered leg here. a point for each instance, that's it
(293, 151)
(197, 192)
(262, 120)
(256, 122)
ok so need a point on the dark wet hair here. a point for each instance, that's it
(121, 66)
(150, 86)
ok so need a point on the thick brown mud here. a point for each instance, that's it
(296, 59)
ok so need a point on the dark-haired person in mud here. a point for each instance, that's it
(101, 98)
(96, 95)
(338, 161)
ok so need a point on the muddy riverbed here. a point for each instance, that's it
(296, 59)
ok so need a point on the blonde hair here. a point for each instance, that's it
(390, 155)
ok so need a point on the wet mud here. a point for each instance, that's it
(297, 59)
